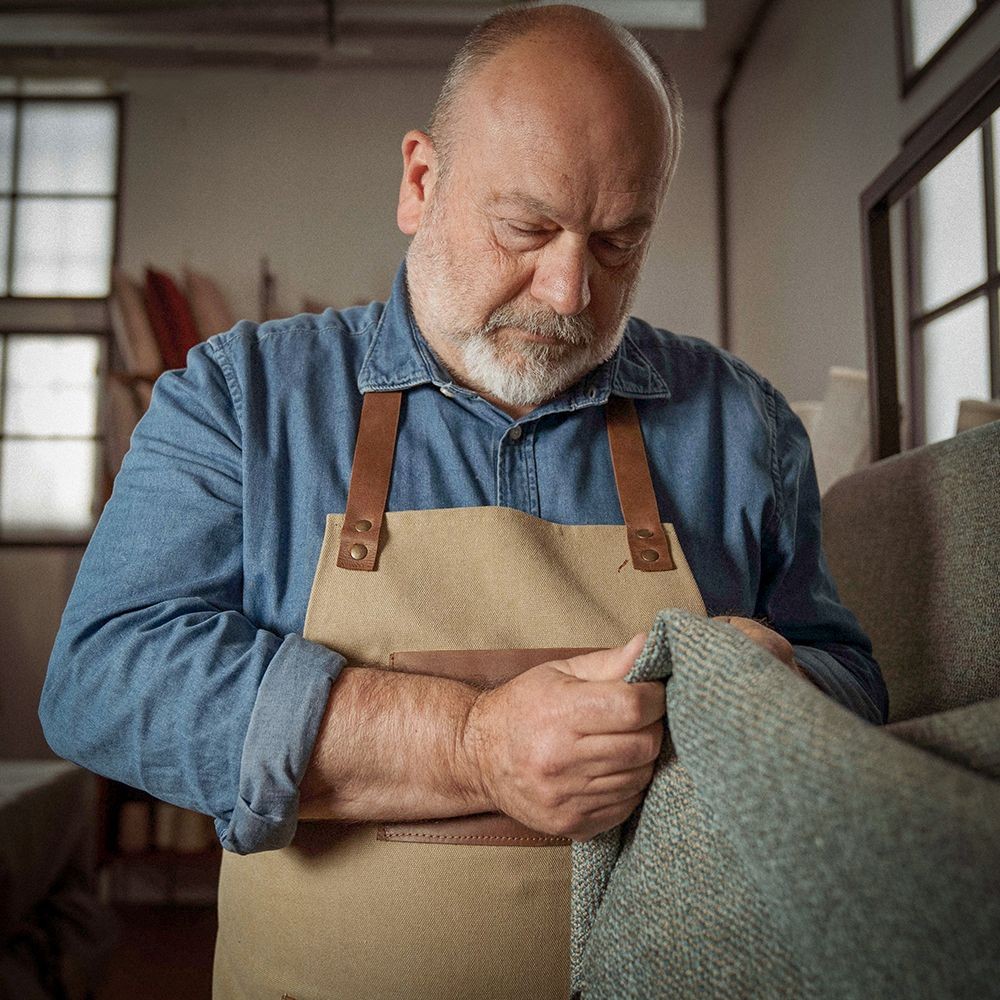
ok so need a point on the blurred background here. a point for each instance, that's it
(169, 167)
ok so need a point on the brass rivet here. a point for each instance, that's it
(649, 555)
(359, 551)
(363, 526)
(643, 533)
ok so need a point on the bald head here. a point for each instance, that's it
(562, 63)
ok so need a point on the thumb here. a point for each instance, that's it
(604, 664)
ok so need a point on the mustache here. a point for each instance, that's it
(574, 330)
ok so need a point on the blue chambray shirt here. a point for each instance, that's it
(179, 666)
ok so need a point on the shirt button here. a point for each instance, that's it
(515, 434)
(592, 392)
(445, 391)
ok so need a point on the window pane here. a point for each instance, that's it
(51, 385)
(63, 247)
(68, 148)
(6, 145)
(47, 485)
(4, 241)
(934, 22)
(956, 366)
(952, 225)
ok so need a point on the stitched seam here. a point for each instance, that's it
(221, 357)
(775, 459)
(456, 836)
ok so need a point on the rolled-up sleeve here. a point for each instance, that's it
(798, 597)
(157, 677)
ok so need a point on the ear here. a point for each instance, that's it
(419, 175)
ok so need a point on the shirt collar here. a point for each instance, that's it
(400, 358)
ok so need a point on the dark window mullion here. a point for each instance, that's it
(915, 338)
(61, 196)
(989, 185)
(977, 291)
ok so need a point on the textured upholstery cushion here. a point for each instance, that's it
(171, 318)
(788, 849)
(212, 313)
(914, 545)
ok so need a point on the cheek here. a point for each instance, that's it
(609, 297)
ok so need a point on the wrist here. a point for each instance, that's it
(471, 759)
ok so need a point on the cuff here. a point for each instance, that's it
(835, 680)
(283, 727)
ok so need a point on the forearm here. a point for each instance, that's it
(390, 747)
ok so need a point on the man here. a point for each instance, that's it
(480, 440)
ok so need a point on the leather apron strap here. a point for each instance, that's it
(647, 541)
(372, 469)
(369, 489)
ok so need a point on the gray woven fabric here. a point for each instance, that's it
(913, 543)
(786, 848)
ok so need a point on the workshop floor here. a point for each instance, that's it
(164, 953)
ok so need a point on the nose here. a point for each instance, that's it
(562, 274)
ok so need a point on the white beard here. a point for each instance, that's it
(509, 368)
(527, 373)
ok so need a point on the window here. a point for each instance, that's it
(49, 434)
(58, 194)
(59, 166)
(926, 29)
(953, 321)
(949, 340)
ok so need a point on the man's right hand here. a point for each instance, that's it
(567, 747)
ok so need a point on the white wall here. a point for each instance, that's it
(813, 121)
(223, 166)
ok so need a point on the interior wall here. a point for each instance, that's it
(34, 586)
(225, 166)
(815, 118)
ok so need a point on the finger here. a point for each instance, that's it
(604, 817)
(775, 643)
(604, 664)
(614, 707)
(631, 782)
(606, 754)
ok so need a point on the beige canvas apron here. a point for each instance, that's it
(473, 906)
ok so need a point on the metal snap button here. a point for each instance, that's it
(649, 555)
(515, 433)
(643, 533)
(359, 551)
(363, 526)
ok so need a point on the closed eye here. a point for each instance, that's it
(525, 230)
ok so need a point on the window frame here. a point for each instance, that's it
(918, 318)
(19, 100)
(908, 75)
(43, 315)
(964, 111)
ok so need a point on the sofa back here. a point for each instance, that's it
(913, 543)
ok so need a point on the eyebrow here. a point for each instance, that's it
(533, 204)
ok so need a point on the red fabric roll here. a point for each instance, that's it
(171, 318)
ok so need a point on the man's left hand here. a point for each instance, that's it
(777, 645)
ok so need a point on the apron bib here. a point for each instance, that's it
(472, 907)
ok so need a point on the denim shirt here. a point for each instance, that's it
(179, 666)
